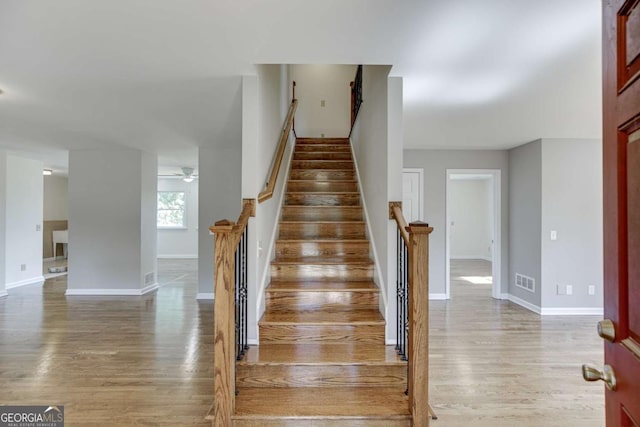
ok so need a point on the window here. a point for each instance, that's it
(171, 209)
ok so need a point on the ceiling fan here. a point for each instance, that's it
(187, 174)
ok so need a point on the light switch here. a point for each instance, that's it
(322, 103)
(554, 235)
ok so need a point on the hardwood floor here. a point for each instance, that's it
(496, 364)
(148, 361)
(111, 361)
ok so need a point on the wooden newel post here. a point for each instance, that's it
(223, 324)
(418, 342)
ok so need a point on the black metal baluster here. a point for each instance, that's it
(237, 302)
(246, 289)
(405, 294)
(398, 285)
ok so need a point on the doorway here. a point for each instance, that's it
(412, 194)
(473, 222)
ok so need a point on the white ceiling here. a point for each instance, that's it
(164, 75)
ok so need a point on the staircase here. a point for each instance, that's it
(322, 359)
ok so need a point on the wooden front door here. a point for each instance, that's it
(621, 151)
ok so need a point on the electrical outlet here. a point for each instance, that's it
(322, 103)
(23, 267)
(569, 290)
(322, 135)
(592, 289)
(38, 227)
(554, 235)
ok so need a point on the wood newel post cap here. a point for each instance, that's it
(222, 226)
(393, 205)
(419, 227)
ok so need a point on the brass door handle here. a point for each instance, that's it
(607, 330)
(591, 373)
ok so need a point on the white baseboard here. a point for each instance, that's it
(177, 256)
(464, 257)
(112, 292)
(523, 303)
(3, 294)
(53, 259)
(38, 280)
(503, 296)
(572, 311)
(557, 311)
(437, 296)
(204, 296)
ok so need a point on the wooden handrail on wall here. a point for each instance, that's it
(227, 236)
(416, 237)
(270, 185)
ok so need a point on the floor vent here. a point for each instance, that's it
(149, 278)
(525, 282)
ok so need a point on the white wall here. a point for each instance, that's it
(112, 219)
(3, 222)
(24, 200)
(180, 243)
(572, 206)
(148, 219)
(266, 98)
(371, 146)
(435, 164)
(471, 218)
(525, 199)
(330, 83)
(56, 198)
(219, 197)
(220, 183)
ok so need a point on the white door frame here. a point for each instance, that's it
(420, 172)
(496, 252)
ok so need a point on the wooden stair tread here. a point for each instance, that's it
(324, 193)
(320, 354)
(323, 240)
(334, 141)
(288, 286)
(334, 317)
(334, 402)
(338, 221)
(348, 261)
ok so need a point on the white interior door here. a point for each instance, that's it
(412, 195)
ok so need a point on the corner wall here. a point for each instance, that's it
(3, 220)
(572, 206)
(23, 234)
(266, 98)
(525, 200)
(112, 222)
(435, 164)
(376, 163)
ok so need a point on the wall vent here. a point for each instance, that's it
(149, 278)
(525, 282)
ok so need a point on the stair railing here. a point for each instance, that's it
(356, 95)
(270, 184)
(412, 296)
(230, 309)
